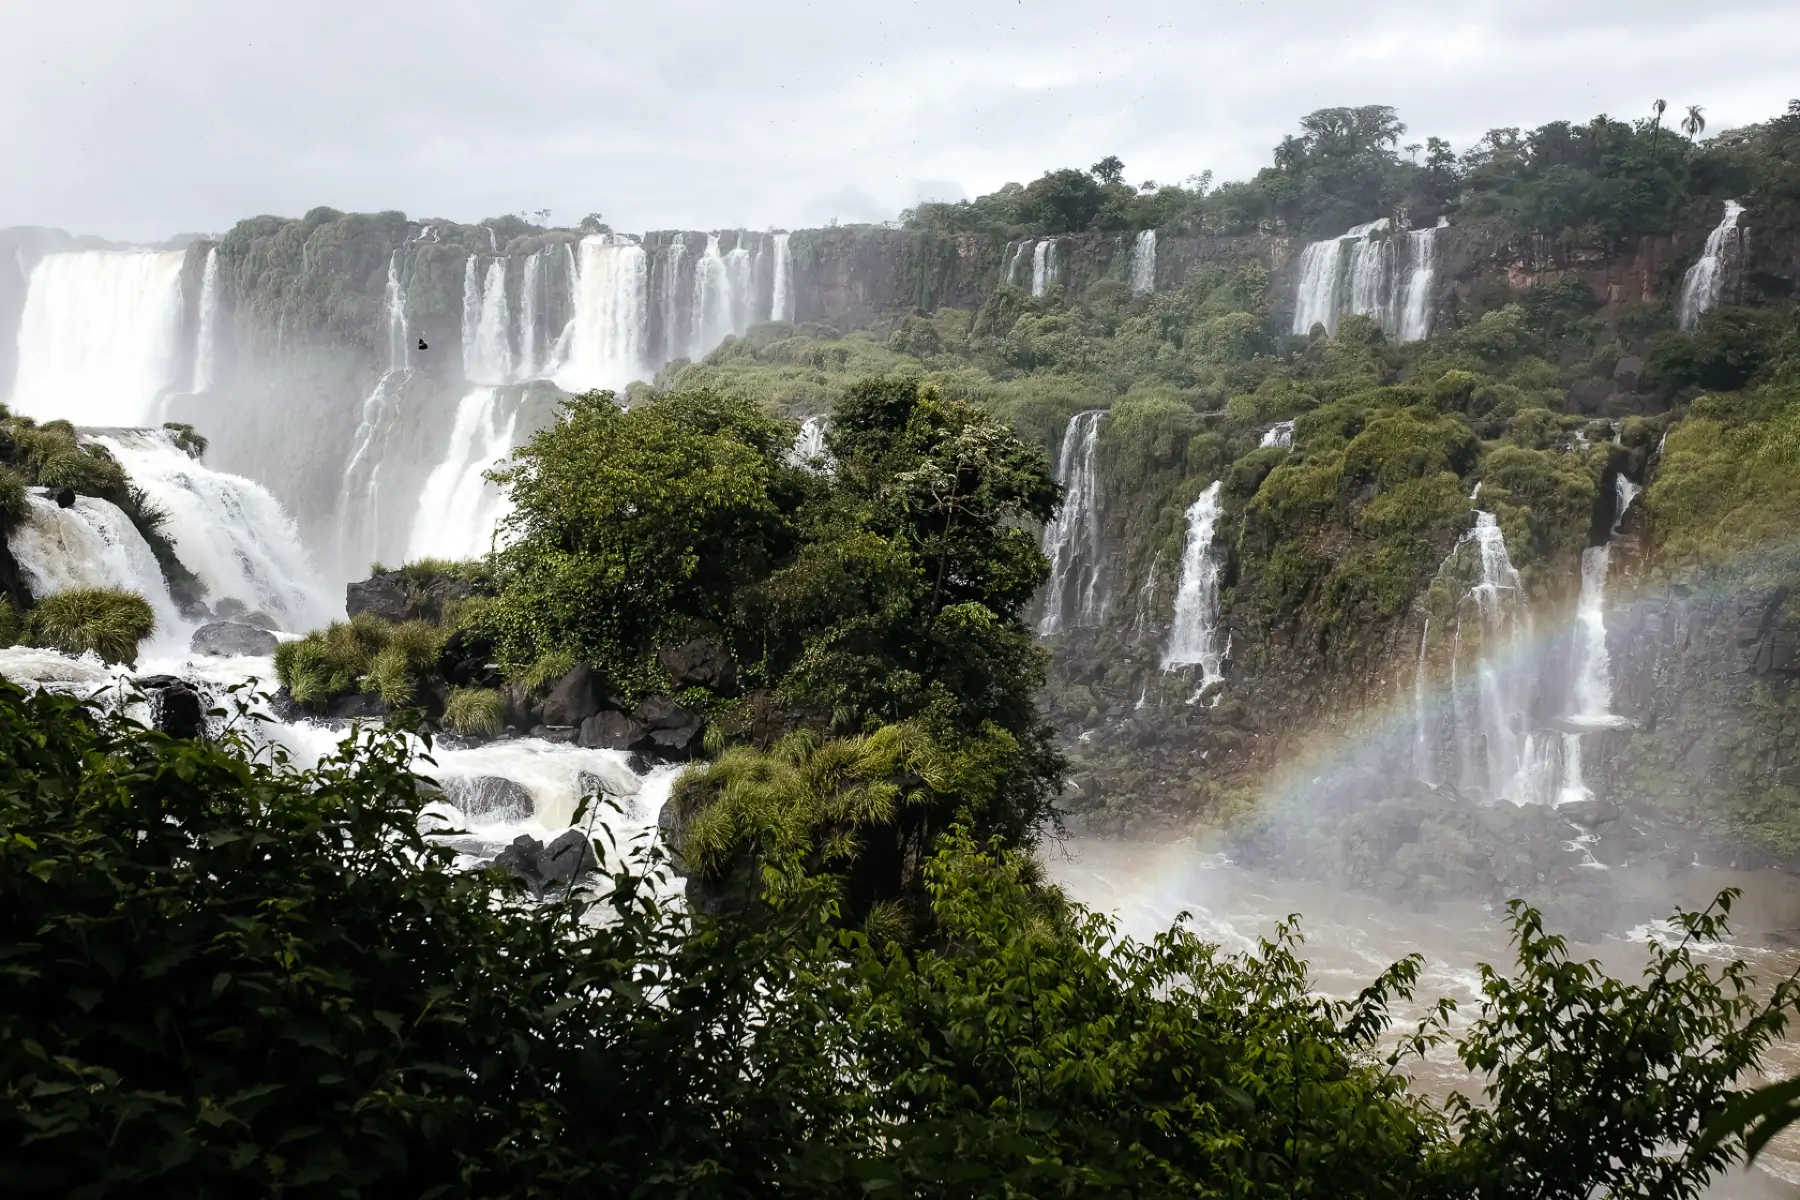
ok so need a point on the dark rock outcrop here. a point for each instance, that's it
(566, 860)
(573, 698)
(610, 730)
(229, 639)
(177, 707)
(702, 662)
(672, 728)
(358, 706)
(406, 595)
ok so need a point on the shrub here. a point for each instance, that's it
(404, 663)
(15, 505)
(478, 712)
(91, 474)
(109, 622)
(186, 439)
(331, 662)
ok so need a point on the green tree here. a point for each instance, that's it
(1694, 124)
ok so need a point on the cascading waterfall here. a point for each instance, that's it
(1072, 538)
(487, 348)
(1043, 266)
(1193, 634)
(1012, 262)
(809, 446)
(1704, 284)
(206, 340)
(669, 307)
(1143, 263)
(458, 508)
(610, 332)
(1279, 434)
(1624, 492)
(781, 303)
(226, 529)
(530, 309)
(1593, 686)
(359, 509)
(1421, 280)
(740, 283)
(711, 319)
(1359, 273)
(99, 339)
(93, 544)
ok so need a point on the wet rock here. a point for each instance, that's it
(610, 730)
(544, 868)
(702, 662)
(560, 734)
(489, 798)
(465, 661)
(359, 706)
(177, 707)
(229, 639)
(283, 707)
(574, 698)
(65, 498)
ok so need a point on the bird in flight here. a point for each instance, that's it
(422, 344)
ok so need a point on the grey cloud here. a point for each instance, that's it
(136, 120)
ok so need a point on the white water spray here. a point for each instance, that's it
(92, 544)
(458, 508)
(206, 341)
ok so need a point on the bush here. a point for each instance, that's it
(478, 712)
(89, 474)
(331, 662)
(15, 504)
(109, 622)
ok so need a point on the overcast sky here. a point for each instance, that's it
(138, 119)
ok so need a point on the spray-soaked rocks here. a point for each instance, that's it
(545, 868)
(177, 707)
(229, 639)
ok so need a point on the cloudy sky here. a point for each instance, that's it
(137, 119)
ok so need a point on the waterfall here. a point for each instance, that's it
(711, 321)
(459, 509)
(1359, 272)
(226, 529)
(1193, 635)
(399, 349)
(1704, 284)
(530, 309)
(1624, 492)
(781, 305)
(1421, 282)
(669, 300)
(1593, 685)
(487, 351)
(92, 544)
(1010, 263)
(99, 336)
(1143, 263)
(809, 446)
(1072, 538)
(206, 342)
(740, 287)
(609, 335)
(1043, 265)
(1279, 434)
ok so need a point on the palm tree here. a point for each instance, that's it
(1656, 125)
(1695, 123)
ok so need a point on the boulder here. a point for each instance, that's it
(489, 798)
(543, 868)
(573, 698)
(608, 730)
(407, 595)
(65, 497)
(672, 728)
(561, 734)
(385, 595)
(702, 662)
(358, 706)
(177, 707)
(229, 639)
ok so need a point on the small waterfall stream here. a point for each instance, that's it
(781, 301)
(1193, 634)
(1072, 538)
(206, 340)
(1704, 284)
(1143, 263)
(1043, 265)
(1360, 273)
(92, 544)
